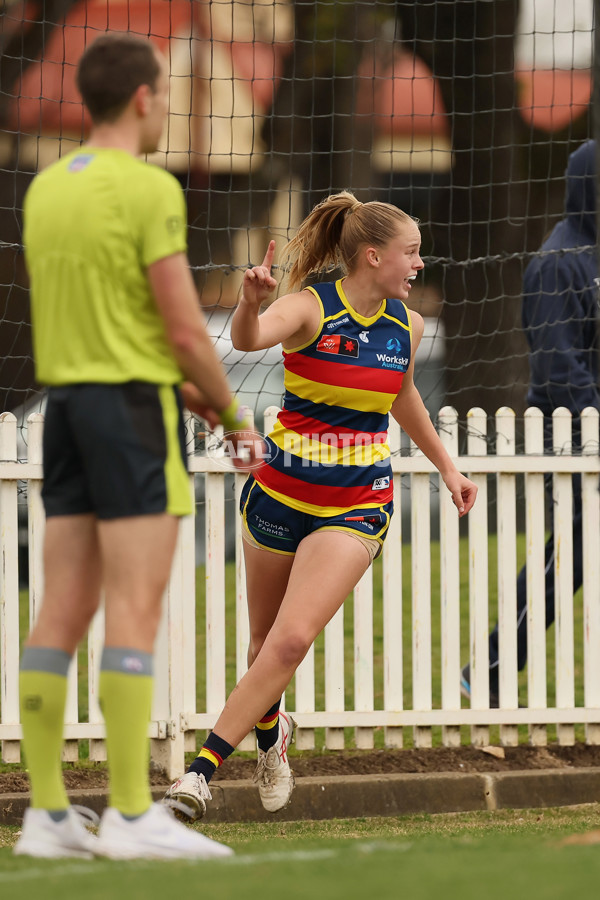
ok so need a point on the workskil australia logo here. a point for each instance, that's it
(393, 360)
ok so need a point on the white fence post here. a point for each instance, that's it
(563, 574)
(479, 657)
(174, 655)
(36, 520)
(97, 746)
(242, 626)
(507, 574)
(590, 501)
(363, 655)
(334, 678)
(536, 581)
(9, 591)
(421, 598)
(215, 591)
(450, 584)
(393, 678)
(175, 651)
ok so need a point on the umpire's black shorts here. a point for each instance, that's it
(115, 450)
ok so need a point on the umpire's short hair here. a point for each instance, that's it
(111, 70)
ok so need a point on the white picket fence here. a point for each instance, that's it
(386, 691)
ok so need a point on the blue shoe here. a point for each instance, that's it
(465, 689)
(465, 684)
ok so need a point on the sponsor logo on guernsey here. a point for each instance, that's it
(364, 336)
(389, 361)
(380, 484)
(339, 344)
(338, 322)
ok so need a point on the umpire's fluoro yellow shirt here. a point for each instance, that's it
(94, 221)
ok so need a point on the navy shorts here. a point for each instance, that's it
(115, 450)
(273, 525)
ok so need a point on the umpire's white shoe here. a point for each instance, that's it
(154, 835)
(190, 793)
(273, 775)
(41, 836)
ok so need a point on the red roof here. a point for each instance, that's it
(403, 97)
(551, 98)
(47, 101)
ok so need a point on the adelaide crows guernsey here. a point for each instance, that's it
(328, 450)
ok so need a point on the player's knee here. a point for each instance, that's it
(290, 649)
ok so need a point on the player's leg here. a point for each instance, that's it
(327, 566)
(272, 532)
(267, 575)
(71, 594)
(315, 588)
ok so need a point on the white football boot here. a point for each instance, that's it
(154, 835)
(190, 793)
(273, 775)
(41, 836)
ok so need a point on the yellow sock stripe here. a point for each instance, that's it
(211, 756)
(267, 724)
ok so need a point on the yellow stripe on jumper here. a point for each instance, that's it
(316, 451)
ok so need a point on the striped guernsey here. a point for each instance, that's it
(328, 450)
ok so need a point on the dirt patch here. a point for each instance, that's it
(367, 762)
(438, 759)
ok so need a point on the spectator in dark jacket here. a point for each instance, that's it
(560, 308)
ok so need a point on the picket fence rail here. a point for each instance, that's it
(399, 660)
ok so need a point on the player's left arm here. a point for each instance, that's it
(409, 411)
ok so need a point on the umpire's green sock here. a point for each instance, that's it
(126, 701)
(43, 694)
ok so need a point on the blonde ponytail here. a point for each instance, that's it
(332, 234)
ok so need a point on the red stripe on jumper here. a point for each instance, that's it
(384, 381)
(305, 425)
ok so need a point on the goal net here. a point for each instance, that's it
(462, 114)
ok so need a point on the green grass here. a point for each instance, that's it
(455, 857)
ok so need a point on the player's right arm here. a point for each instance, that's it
(185, 327)
(291, 320)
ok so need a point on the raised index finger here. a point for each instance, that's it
(268, 260)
